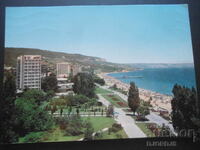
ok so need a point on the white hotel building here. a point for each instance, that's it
(65, 69)
(28, 72)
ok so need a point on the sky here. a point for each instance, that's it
(119, 34)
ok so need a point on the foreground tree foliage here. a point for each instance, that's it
(133, 97)
(185, 116)
(7, 110)
(49, 83)
(84, 84)
(31, 114)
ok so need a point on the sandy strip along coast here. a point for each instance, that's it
(158, 100)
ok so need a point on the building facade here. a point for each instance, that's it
(64, 70)
(28, 73)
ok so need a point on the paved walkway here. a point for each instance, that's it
(160, 121)
(128, 123)
(153, 117)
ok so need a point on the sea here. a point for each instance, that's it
(159, 80)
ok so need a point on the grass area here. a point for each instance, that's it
(116, 100)
(99, 123)
(56, 134)
(99, 90)
(119, 90)
(117, 135)
(144, 128)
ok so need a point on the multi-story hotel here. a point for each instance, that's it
(29, 72)
(65, 69)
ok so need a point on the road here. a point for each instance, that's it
(128, 123)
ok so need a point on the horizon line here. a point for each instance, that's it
(105, 59)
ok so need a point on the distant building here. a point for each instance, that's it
(64, 70)
(28, 72)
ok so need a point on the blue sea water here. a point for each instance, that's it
(159, 80)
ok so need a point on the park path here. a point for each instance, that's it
(128, 123)
(153, 117)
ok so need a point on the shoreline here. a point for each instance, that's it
(158, 100)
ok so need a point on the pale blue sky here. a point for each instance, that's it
(122, 34)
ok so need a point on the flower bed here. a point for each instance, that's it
(122, 104)
(115, 99)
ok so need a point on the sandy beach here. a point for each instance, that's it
(159, 101)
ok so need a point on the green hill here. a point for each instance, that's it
(95, 63)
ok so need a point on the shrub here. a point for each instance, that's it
(99, 135)
(99, 104)
(141, 118)
(62, 122)
(73, 131)
(115, 127)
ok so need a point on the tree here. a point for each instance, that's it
(133, 98)
(31, 115)
(77, 111)
(184, 110)
(38, 96)
(143, 110)
(110, 111)
(84, 84)
(98, 80)
(49, 83)
(70, 78)
(7, 110)
(114, 86)
(88, 132)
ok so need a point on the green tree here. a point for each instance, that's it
(184, 110)
(88, 132)
(7, 110)
(84, 84)
(38, 96)
(133, 98)
(143, 110)
(98, 80)
(31, 115)
(49, 83)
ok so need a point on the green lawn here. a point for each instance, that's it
(119, 90)
(99, 123)
(99, 90)
(143, 127)
(117, 135)
(56, 134)
(115, 99)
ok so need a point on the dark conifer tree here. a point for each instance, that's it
(133, 98)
